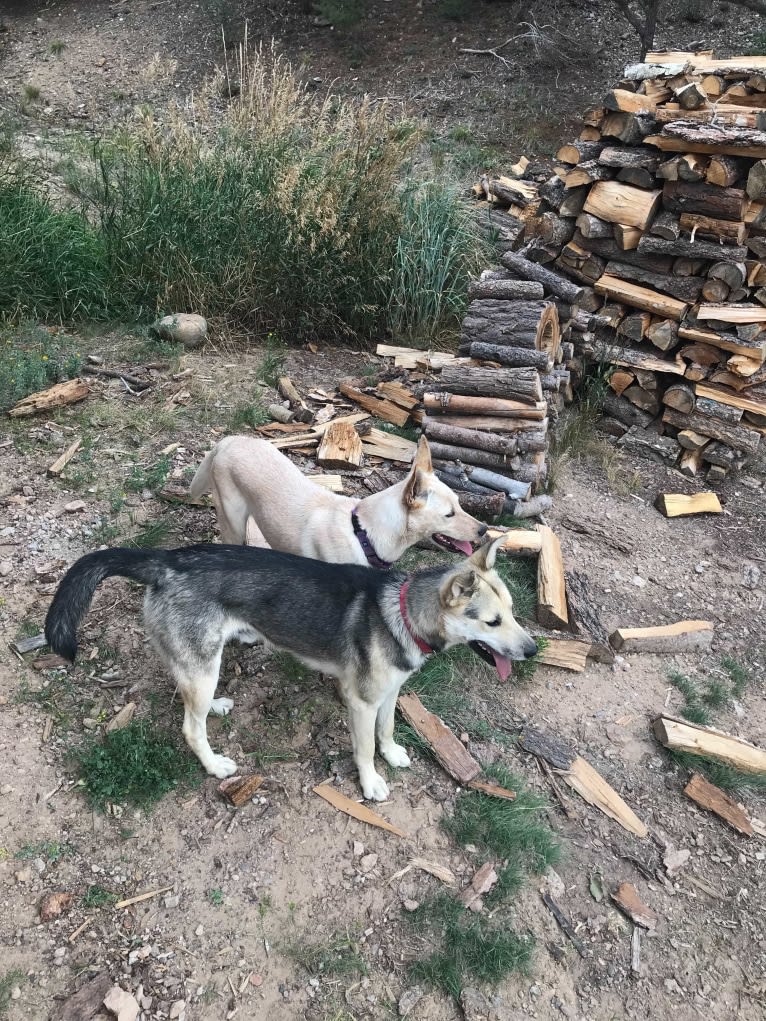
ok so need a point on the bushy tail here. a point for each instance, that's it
(201, 482)
(75, 593)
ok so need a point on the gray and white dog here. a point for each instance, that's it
(368, 629)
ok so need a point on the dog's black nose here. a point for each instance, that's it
(482, 530)
(530, 649)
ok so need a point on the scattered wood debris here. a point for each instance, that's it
(676, 505)
(679, 735)
(551, 589)
(564, 924)
(56, 396)
(492, 789)
(238, 790)
(53, 905)
(626, 898)
(450, 752)
(683, 636)
(594, 789)
(87, 1001)
(24, 645)
(140, 897)
(708, 796)
(356, 810)
(433, 868)
(63, 460)
(484, 879)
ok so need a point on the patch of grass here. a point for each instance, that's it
(105, 533)
(342, 14)
(32, 359)
(152, 534)
(272, 364)
(757, 47)
(28, 628)
(8, 982)
(138, 765)
(520, 577)
(726, 777)
(250, 414)
(98, 897)
(30, 93)
(57, 47)
(405, 432)
(461, 134)
(51, 850)
(291, 669)
(693, 708)
(337, 956)
(739, 675)
(471, 948)
(152, 478)
(215, 897)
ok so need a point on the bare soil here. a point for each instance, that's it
(250, 890)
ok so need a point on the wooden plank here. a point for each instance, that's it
(679, 735)
(732, 400)
(594, 789)
(683, 636)
(356, 810)
(676, 505)
(61, 462)
(451, 753)
(551, 588)
(398, 393)
(712, 798)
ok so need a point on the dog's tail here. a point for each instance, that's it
(75, 593)
(200, 484)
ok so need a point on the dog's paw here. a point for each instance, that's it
(221, 706)
(375, 788)
(395, 755)
(222, 766)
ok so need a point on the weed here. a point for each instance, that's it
(30, 93)
(8, 982)
(137, 765)
(52, 850)
(105, 533)
(98, 897)
(57, 47)
(739, 675)
(273, 362)
(28, 628)
(693, 708)
(215, 897)
(31, 359)
(151, 534)
(461, 134)
(471, 948)
(342, 14)
(406, 432)
(291, 669)
(339, 956)
(152, 478)
(252, 413)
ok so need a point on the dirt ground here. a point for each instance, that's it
(287, 870)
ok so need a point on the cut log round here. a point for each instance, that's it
(514, 384)
(725, 171)
(486, 507)
(629, 128)
(579, 152)
(580, 263)
(666, 225)
(506, 290)
(592, 227)
(635, 326)
(530, 324)
(707, 199)
(692, 168)
(553, 229)
(552, 282)
(756, 181)
(622, 203)
(663, 333)
(515, 357)
(733, 273)
(715, 290)
(679, 397)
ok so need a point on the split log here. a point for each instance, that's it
(690, 96)
(679, 397)
(725, 341)
(552, 282)
(644, 399)
(684, 289)
(587, 174)
(579, 152)
(580, 263)
(508, 191)
(592, 227)
(574, 200)
(679, 735)
(63, 460)
(340, 447)
(627, 238)
(508, 290)
(57, 396)
(551, 588)
(620, 380)
(516, 357)
(491, 423)
(636, 359)
(496, 407)
(663, 333)
(649, 444)
(622, 203)
(756, 182)
(644, 157)
(628, 102)
(691, 462)
(709, 406)
(626, 898)
(721, 456)
(594, 789)
(706, 199)
(565, 654)
(666, 225)
(521, 542)
(684, 636)
(732, 313)
(553, 191)
(676, 505)
(384, 409)
(692, 168)
(725, 171)
(722, 230)
(625, 412)
(690, 440)
(641, 297)
(630, 128)
(552, 229)
(513, 384)
(238, 790)
(638, 177)
(473, 438)
(607, 248)
(450, 752)
(712, 798)
(635, 326)
(649, 245)
(298, 406)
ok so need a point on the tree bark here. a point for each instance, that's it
(579, 152)
(643, 157)
(467, 455)
(553, 191)
(649, 245)
(552, 282)
(532, 324)
(608, 249)
(473, 438)
(707, 199)
(505, 290)
(686, 289)
(625, 412)
(513, 384)
(688, 136)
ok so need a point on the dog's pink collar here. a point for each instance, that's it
(421, 643)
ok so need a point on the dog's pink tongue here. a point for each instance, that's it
(463, 546)
(502, 665)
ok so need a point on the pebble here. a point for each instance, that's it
(256, 980)
(199, 930)
(410, 905)
(16, 993)
(639, 582)
(368, 862)
(358, 849)
(178, 1009)
(24, 875)
(5, 568)
(74, 506)
(172, 900)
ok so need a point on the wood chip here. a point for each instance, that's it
(450, 752)
(356, 810)
(239, 789)
(61, 462)
(482, 882)
(492, 789)
(626, 898)
(122, 719)
(708, 796)
(591, 786)
(682, 636)
(141, 897)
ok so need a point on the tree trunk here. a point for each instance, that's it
(530, 324)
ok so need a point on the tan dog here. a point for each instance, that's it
(250, 479)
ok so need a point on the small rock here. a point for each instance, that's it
(358, 849)
(182, 328)
(74, 506)
(123, 1004)
(408, 999)
(638, 581)
(368, 862)
(751, 575)
(178, 1009)
(39, 865)
(410, 905)
(6, 789)
(553, 884)
(673, 987)
(16, 993)
(256, 980)
(24, 875)
(172, 900)
(675, 860)
(121, 719)
(476, 1006)
(5, 568)
(199, 930)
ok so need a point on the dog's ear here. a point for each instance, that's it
(422, 459)
(484, 556)
(458, 587)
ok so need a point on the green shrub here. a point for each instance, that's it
(32, 359)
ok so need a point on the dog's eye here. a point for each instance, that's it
(496, 622)
(449, 514)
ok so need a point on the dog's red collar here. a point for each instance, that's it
(420, 642)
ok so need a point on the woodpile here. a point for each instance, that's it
(650, 242)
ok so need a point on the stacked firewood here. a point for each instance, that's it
(657, 213)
